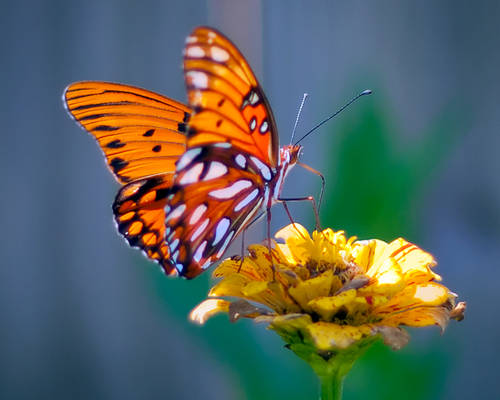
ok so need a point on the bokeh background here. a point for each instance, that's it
(83, 316)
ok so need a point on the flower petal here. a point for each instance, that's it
(207, 309)
(327, 307)
(320, 286)
(328, 336)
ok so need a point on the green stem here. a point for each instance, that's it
(331, 386)
(330, 366)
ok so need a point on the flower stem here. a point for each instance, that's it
(331, 386)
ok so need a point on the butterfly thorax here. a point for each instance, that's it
(289, 156)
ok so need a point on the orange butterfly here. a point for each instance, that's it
(193, 177)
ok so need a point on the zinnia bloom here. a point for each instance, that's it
(329, 295)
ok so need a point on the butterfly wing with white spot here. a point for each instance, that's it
(215, 196)
(228, 102)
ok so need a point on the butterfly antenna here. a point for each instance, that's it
(363, 93)
(304, 97)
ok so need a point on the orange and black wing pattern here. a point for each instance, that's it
(216, 194)
(228, 102)
(142, 135)
(140, 132)
(225, 176)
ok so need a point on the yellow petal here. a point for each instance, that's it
(255, 289)
(420, 316)
(418, 297)
(327, 307)
(231, 286)
(292, 231)
(289, 323)
(207, 309)
(431, 294)
(328, 336)
(307, 290)
(388, 278)
(257, 267)
(368, 252)
(410, 257)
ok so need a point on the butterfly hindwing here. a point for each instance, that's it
(139, 210)
(228, 103)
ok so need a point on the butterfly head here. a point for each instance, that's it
(290, 154)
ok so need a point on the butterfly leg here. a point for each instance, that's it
(253, 221)
(268, 215)
(242, 250)
(308, 198)
(287, 210)
(316, 172)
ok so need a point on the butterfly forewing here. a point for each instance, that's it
(228, 101)
(215, 195)
(140, 132)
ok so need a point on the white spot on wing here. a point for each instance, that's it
(219, 54)
(179, 267)
(241, 160)
(187, 158)
(249, 216)
(195, 52)
(199, 230)
(243, 203)
(191, 39)
(263, 168)
(192, 175)
(198, 79)
(174, 245)
(254, 98)
(223, 145)
(224, 245)
(253, 124)
(197, 213)
(221, 230)
(176, 212)
(199, 251)
(207, 263)
(263, 127)
(216, 170)
(232, 190)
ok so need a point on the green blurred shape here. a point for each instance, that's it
(413, 373)
(379, 173)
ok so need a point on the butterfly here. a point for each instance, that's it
(193, 177)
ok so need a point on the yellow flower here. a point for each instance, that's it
(332, 292)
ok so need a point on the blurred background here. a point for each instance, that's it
(83, 316)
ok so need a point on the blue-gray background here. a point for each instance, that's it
(85, 317)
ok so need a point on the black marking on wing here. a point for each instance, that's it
(118, 164)
(115, 144)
